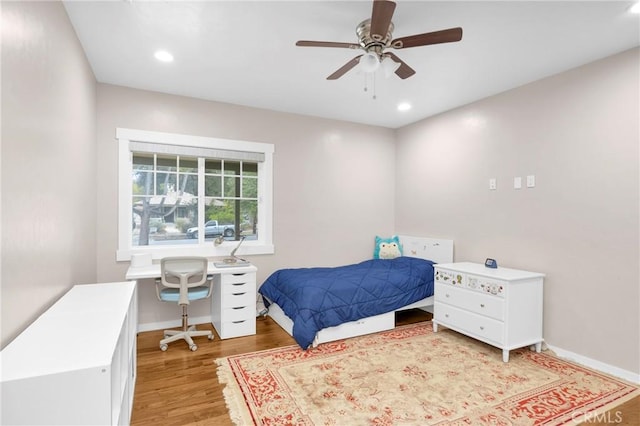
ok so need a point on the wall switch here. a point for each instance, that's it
(517, 182)
(493, 184)
(531, 181)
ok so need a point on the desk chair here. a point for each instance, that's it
(182, 280)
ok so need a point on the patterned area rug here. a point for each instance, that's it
(412, 376)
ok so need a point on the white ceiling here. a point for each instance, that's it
(243, 52)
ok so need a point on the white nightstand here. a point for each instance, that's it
(501, 307)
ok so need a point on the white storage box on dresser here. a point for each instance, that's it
(501, 307)
(233, 302)
(76, 363)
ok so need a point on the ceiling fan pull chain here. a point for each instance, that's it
(374, 85)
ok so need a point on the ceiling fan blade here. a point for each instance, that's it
(381, 18)
(308, 43)
(404, 70)
(443, 36)
(346, 67)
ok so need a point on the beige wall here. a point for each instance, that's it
(333, 181)
(48, 162)
(578, 133)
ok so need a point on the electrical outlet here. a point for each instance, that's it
(493, 184)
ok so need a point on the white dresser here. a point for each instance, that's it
(76, 363)
(233, 302)
(501, 307)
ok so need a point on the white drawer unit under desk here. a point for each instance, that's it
(501, 307)
(233, 303)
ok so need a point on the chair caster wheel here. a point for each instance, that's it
(210, 337)
(193, 348)
(163, 348)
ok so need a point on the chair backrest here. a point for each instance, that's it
(183, 272)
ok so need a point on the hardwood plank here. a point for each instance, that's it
(179, 387)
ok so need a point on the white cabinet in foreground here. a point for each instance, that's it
(501, 307)
(76, 363)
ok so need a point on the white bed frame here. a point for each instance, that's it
(437, 250)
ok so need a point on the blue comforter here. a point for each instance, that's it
(316, 298)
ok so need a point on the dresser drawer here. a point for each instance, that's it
(240, 278)
(239, 299)
(239, 313)
(450, 278)
(486, 285)
(236, 288)
(244, 327)
(480, 303)
(474, 325)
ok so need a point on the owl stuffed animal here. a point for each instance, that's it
(387, 248)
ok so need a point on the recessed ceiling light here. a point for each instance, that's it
(635, 8)
(404, 106)
(164, 56)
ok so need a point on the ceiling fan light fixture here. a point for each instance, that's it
(369, 62)
(375, 36)
(389, 66)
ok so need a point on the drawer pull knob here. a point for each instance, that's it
(446, 315)
(238, 307)
(446, 295)
(238, 322)
(482, 305)
(481, 328)
(238, 294)
(238, 284)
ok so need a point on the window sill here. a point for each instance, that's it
(205, 251)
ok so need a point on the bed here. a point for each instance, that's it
(411, 277)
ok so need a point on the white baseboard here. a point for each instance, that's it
(597, 365)
(165, 325)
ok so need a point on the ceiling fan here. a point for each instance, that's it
(374, 36)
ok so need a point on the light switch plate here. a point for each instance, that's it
(531, 181)
(517, 182)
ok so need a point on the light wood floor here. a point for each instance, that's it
(180, 387)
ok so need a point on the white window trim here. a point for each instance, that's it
(264, 243)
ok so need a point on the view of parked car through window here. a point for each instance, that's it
(166, 199)
(212, 229)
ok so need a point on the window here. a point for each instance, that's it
(179, 193)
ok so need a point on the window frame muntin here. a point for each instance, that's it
(264, 243)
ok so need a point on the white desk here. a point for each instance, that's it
(233, 298)
(153, 270)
